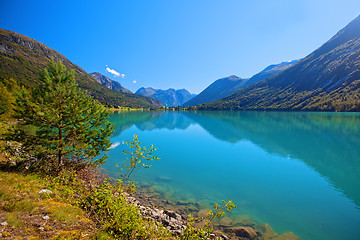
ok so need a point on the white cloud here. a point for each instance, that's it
(134, 81)
(114, 72)
(114, 145)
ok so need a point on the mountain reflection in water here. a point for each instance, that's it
(328, 143)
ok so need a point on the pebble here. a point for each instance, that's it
(45, 191)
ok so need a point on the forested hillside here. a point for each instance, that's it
(326, 80)
(22, 58)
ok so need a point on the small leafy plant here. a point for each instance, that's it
(219, 210)
(118, 217)
(136, 157)
(192, 233)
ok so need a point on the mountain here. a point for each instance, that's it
(225, 86)
(22, 58)
(269, 71)
(109, 83)
(218, 89)
(146, 91)
(328, 79)
(169, 98)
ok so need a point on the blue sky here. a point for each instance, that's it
(178, 43)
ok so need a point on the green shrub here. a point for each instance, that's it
(119, 218)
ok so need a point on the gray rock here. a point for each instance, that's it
(173, 214)
(169, 219)
(45, 191)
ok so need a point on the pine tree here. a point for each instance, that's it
(70, 126)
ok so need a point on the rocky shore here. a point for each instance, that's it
(173, 216)
(174, 222)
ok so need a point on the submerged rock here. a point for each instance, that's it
(227, 228)
(221, 235)
(287, 236)
(244, 232)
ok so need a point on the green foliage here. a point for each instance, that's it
(136, 158)
(121, 219)
(104, 236)
(219, 210)
(106, 203)
(192, 233)
(7, 99)
(68, 184)
(71, 127)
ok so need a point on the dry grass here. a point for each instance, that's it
(26, 211)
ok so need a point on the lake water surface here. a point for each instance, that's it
(298, 172)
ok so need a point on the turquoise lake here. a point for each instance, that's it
(298, 172)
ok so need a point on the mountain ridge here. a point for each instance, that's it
(224, 87)
(22, 58)
(218, 89)
(328, 79)
(109, 83)
(169, 97)
(270, 71)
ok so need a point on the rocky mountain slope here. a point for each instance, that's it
(109, 83)
(22, 58)
(328, 79)
(169, 98)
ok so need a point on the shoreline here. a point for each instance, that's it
(173, 214)
(125, 109)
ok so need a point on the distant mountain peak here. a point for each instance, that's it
(169, 97)
(218, 89)
(109, 83)
(233, 77)
(280, 66)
